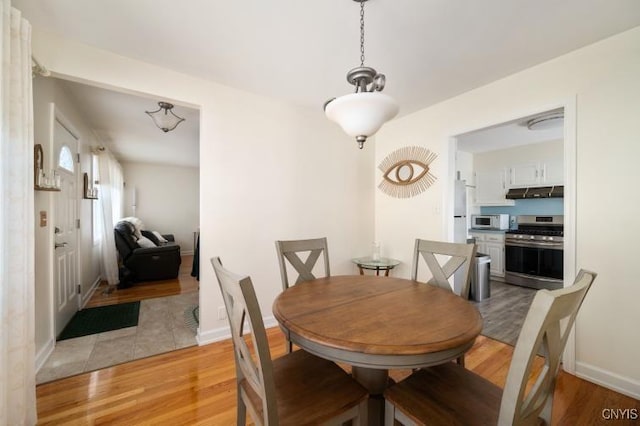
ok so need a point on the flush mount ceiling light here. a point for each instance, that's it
(164, 117)
(361, 114)
(546, 121)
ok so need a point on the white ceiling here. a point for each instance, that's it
(300, 51)
(510, 134)
(120, 122)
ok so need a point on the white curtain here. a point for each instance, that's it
(17, 276)
(111, 201)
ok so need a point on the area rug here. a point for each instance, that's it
(101, 319)
(192, 317)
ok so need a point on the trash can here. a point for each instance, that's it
(480, 288)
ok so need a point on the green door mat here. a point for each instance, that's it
(101, 319)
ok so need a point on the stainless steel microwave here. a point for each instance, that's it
(490, 221)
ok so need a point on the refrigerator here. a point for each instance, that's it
(460, 212)
(459, 225)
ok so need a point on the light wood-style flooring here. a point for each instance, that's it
(196, 386)
(184, 283)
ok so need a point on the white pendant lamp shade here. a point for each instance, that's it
(361, 114)
(165, 121)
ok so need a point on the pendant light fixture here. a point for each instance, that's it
(164, 117)
(361, 114)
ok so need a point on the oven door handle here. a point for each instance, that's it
(536, 277)
(537, 244)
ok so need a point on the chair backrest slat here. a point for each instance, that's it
(545, 331)
(461, 256)
(290, 250)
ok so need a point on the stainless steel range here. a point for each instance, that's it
(534, 255)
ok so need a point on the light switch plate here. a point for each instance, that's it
(43, 219)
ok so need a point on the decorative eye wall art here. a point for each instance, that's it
(406, 172)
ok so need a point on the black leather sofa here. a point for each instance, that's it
(145, 264)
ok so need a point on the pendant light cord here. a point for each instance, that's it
(361, 33)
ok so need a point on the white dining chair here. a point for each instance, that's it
(295, 389)
(449, 394)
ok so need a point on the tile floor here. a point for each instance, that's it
(504, 312)
(165, 324)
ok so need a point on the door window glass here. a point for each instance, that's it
(65, 159)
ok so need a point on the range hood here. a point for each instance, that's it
(536, 192)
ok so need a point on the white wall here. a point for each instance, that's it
(267, 171)
(167, 199)
(602, 79)
(46, 92)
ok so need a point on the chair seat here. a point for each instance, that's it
(447, 394)
(310, 390)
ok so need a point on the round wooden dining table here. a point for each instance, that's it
(376, 324)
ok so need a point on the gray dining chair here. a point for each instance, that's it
(297, 388)
(290, 250)
(449, 394)
(459, 256)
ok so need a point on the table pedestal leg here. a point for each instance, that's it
(375, 381)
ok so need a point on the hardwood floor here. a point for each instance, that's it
(184, 283)
(196, 386)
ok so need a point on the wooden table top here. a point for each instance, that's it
(377, 316)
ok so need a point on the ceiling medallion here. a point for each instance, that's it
(361, 114)
(406, 172)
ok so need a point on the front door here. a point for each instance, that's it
(66, 277)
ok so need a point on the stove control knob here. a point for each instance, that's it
(531, 237)
(550, 238)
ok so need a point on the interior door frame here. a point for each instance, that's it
(570, 193)
(55, 114)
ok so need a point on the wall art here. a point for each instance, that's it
(406, 172)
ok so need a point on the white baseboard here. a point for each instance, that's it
(92, 290)
(44, 353)
(609, 380)
(186, 252)
(224, 333)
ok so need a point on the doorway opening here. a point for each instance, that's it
(497, 162)
(161, 186)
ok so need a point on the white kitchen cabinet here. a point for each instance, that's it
(524, 175)
(491, 188)
(553, 172)
(492, 243)
(545, 173)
